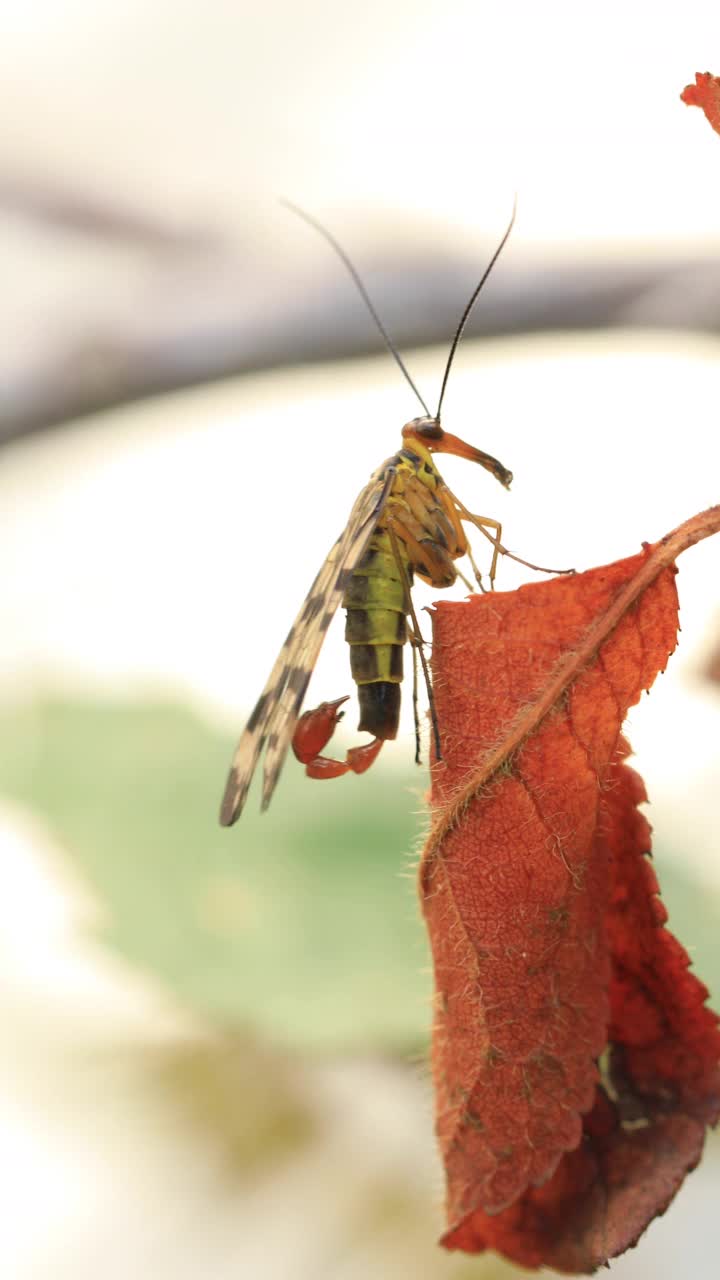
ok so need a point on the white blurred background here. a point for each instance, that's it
(159, 548)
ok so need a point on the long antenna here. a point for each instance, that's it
(466, 313)
(306, 217)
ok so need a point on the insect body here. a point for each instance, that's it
(418, 532)
(406, 522)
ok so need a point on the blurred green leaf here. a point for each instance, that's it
(299, 923)
(302, 923)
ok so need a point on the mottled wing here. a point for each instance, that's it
(276, 712)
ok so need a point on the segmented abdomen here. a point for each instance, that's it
(376, 630)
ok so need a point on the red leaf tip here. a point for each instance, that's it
(704, 93)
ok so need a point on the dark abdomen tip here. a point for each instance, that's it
(379, 708)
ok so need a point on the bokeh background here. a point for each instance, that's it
(214, 1041)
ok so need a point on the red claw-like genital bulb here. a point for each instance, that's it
(313, 732)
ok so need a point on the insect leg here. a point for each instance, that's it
(418, 647)
(456, 513)
(483, 523)
(478, 576)
(416, 718)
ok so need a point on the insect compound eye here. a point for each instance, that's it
(424, 428)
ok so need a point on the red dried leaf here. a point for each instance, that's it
(705, 93)
(546, 929)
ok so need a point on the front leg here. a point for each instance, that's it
(456, 513)
(484, 524)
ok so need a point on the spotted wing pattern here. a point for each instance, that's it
(272, 723)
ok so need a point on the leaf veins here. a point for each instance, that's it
(575, 1061)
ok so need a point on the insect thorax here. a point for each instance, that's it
(418, 462)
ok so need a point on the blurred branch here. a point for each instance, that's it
(87, 214)
(191, 306)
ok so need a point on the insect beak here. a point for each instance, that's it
(453, 444)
